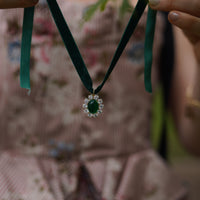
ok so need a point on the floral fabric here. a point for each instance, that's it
(49, 148)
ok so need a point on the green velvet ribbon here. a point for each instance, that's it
(73, 50)
(148, 48)
(26, 47)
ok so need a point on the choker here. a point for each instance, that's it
(93, 105)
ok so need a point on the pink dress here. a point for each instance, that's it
(49, 148)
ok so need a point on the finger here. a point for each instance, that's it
(189, 6)
(189, 23)
(17, 3)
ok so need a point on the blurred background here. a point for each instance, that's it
(163, 133)
(184, 164)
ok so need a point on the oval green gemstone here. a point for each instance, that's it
(93, 106)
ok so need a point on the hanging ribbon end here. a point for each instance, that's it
(29, 92)
(26, 86)
(148, 87)
(24, 83)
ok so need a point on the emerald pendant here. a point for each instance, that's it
(93, 105)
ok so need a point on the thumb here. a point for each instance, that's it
(17, 3)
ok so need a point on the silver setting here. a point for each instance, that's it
(96, 97)
(86, 101)
(86, 111)
(90, 97)
(99, 101)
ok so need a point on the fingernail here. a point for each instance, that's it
(173, 16)
(154, 2)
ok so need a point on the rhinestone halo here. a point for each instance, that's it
(93, 105)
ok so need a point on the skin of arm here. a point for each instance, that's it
(186, 76)
(185, 15)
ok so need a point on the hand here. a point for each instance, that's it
(186, 15)
(17, 3)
